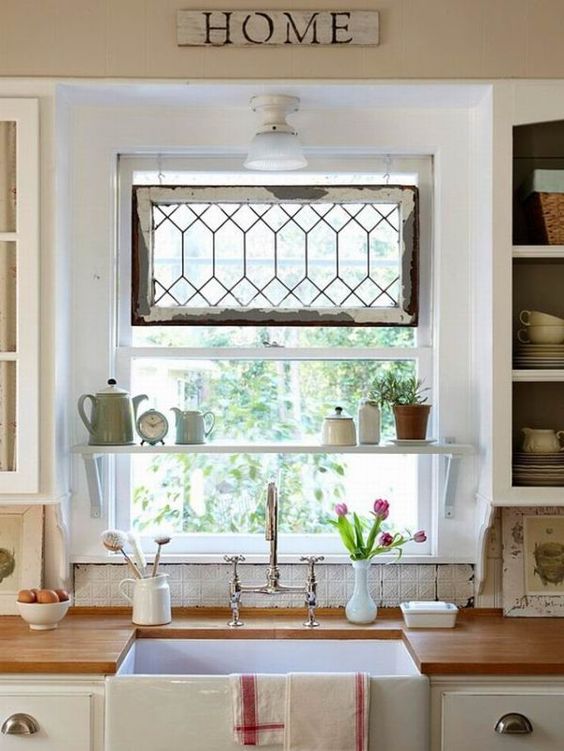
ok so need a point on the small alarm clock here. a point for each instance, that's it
(152, 426)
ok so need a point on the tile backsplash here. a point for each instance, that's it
(206, 584)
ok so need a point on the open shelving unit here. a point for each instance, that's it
(94, 457)
(538, 283)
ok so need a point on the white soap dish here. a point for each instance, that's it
(420, 614)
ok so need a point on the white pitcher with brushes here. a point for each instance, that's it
(150, 600)
(151, 594)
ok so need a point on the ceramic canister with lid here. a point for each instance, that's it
(338, 429)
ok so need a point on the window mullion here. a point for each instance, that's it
(272, 353)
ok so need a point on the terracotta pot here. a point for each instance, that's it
(411, 421)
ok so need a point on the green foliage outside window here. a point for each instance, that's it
(262, 401)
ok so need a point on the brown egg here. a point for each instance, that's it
(27, 595)
(47, 596)
(62, 594)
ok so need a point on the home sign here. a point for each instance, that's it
(258, 28)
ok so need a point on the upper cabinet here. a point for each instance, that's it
(538, 309)
(19, 296)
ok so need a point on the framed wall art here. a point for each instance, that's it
(21, 552)
(533, 561)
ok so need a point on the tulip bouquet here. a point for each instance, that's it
(365, 539)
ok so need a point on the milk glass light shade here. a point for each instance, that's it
(275, 151)
(275, 146)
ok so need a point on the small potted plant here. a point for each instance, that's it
(406, 396)
(365, 539)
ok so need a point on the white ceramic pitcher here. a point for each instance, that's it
(191, 425)
(151, 600)
(542, 441)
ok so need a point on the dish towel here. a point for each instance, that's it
(327, 712)
(258, 709)
(302, 711)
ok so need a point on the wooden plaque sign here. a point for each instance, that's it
(258, 28)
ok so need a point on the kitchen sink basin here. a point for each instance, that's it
(174, 694)
(225, 656)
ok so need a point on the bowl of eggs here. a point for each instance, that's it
(43, 608)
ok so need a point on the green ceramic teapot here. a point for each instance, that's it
(112, 417)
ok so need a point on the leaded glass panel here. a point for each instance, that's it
(342, 255)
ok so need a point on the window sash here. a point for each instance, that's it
(404, 312)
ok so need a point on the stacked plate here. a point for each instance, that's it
(541, 356)
(538, 469)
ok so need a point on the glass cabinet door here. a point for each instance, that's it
(19, 296)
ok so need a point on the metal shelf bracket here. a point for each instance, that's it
(449, 481)
(93, 466)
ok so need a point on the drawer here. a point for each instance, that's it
(469, 720)
(64, 721)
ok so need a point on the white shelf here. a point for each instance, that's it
(538, 376)
(94, 456)
(451, 449)
(538, 251)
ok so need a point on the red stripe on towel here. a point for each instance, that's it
(261, 726)
(249, 701)
(360, 712)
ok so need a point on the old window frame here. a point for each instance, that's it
(145, 311)
(420, 170)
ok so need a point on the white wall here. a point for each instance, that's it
(438, 121)
(419, 39)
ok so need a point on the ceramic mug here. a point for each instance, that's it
(151, 600)
(536, 318)
(541, 335)
(542, 441)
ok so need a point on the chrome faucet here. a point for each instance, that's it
(273, 586)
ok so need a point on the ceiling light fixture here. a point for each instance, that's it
(276, 145)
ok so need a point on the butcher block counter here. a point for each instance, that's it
(95, 640)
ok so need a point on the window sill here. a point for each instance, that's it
(255, 558)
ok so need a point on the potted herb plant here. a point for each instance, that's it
(365, 539)
(405, 394)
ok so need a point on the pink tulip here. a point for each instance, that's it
(341, 509)
(381, 508)
(420, 536)
(386, 539)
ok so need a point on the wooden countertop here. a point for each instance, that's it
(95, 640)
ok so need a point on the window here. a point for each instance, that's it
(269, 382)
(331, 255)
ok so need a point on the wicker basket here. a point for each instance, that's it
(545, 215)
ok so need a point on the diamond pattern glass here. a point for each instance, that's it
(270, 257)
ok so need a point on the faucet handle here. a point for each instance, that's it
(235, 560)
(311, 560)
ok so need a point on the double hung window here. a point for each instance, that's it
(269, 302)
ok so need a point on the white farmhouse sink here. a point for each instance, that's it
(225, 656)
(173, 694)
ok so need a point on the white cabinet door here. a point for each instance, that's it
(64, 722)
(469, 720)
(19, 296)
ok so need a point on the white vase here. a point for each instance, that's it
(361, 608)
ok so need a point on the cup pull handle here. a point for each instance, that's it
(20, 724)
(522, 333)
(513, 723)
(525, 317)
